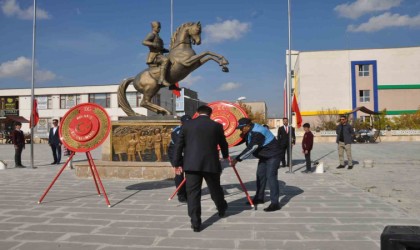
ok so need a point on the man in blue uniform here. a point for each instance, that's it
(182, 193)
(263, 145)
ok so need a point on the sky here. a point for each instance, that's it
(98, 42)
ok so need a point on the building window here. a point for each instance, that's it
(365, 118)
(134, 99)
(49, 102)
(69, 101)
(44, 102)
(156, 99)
(364, 95)
(102, 99)
(364, 70)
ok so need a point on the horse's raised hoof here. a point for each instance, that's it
(223, 62)
(225, 69)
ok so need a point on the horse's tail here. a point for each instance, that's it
(122, 98)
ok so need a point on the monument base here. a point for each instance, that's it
(127, 170)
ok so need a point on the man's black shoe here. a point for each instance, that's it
(20, 166)
(58, 163)
(272, 207)
(350, 167)
(255, 201)
(182, 199)
(306, 171)
(341, 166)
(52, 163)
(222, 211)
(195, 228)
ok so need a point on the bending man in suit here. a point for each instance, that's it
(55, 143)
(198, 140)
(283, 138)
(262, 144)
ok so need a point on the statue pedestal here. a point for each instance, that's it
(135, 149)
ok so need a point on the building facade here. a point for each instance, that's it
(188, 102)
(336, 82)
(54, 102)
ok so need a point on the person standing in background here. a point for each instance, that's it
(283, 138)
(344, 139)
(18, 140)
(307, 144)
(55, 143)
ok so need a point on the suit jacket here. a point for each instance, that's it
(348, 133)
(283, 137)
(199, 139)
(54, 138)
(18, 138)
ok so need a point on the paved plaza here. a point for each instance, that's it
(340, 209)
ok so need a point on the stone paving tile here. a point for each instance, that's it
(78, 222)
(8, 244)
(198, 243)
(275, 235)
(55, 245)
(29, 220)
(36, 236)
(58, 228)
(310, 245)
(5, 235)
(111, 240)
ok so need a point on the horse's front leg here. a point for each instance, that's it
(221, 60)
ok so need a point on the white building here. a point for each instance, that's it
(341, 80)
(54, 102)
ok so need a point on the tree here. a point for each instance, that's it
(407, 121)
(328, 119)
(257, 117)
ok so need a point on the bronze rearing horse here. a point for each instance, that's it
(183, 61)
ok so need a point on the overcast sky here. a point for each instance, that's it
(98, 42)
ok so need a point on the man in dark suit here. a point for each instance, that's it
(55, 143)
(283, 138)
(198, 140)
(19, 143)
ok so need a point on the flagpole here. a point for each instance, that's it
(288, 87)
(172, 17)
(32, 87)
(170, 37)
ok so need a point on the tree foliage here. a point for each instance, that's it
(256, 117)
(327, 119)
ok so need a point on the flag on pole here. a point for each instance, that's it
(176, 92)
(295, 108)
(34, 114)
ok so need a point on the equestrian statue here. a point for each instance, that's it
(165, 71)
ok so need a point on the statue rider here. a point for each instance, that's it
(156, 56)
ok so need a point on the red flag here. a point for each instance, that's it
(34, 114)
(176, 92)
(295, 108)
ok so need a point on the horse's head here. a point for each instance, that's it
(188, 33)
(195, 33)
